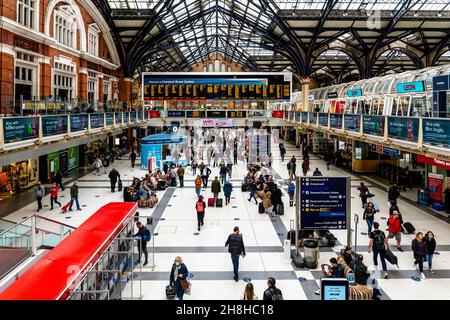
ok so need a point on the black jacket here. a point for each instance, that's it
(361, 274)
(235, 244)
(183, 272)
(418, 248)
(430, 245)
(369, 214)
(276, 196)
(393, 193)
(133, 156)
(269, 292)
(113, 175)
(140, 234)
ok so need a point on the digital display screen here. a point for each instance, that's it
(229, 86)
(336, 289)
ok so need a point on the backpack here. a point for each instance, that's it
(289, 166)
(291, 188)
(200, 207)
(277, 295)
(378, 240)
(147, 236)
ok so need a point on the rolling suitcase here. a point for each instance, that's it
(66, 206)
(119, 186)
(219, 203)
(391, 257)
(409, 227)
(261, 209)
(211, 202)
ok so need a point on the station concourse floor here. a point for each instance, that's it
(208, 260)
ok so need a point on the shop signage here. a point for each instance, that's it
(19, 129)
(336, 120)
(373, 125)
(240, 114)
(78, 122)
(305, 117)
(444, 164)
(133, 117)
(96, 120)
(379, 149)
(354, 92)
(195, 114)
(403, 128)
(53, 125)
(332, 95)
(212, 123)
(126, 116)
(352, 122)
(277, 114)
(323, 202)
(436, 132)
(358, 153)
(408, 87)
(73, 158)
(441, 83)
(109, 119)
(175, 113)
(391, 151)
(435, 182)
(297, 117)
(154, 114)
(118, 118)
(323, 119)
(257, 113)
(216, 114)
(312, 118)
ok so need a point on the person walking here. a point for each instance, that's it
(200, 206)
(369, 216)
(430, 248)
(252, 188)
(205, 172)
(194, 166)
(291, 193)
(393, 193)
(74, 196)
(132, 157)
(317, 173)
(173, 177)
(215, 188)
(113, 177)
(54, 196)
(39, 192)
(378, 244)
(144, 235)
(249, 292)
(236, 248)
(418, 248)
(227, 189)
(178, 277)
(276, 200)
(198, 186)
(97, 165)
(58, 180)
(395, 228)
(180, 173)
(223, 171)
(305, 167)
(282, 151)
(363, 193)
(272, 292)
(289, 169)
(230, 168)
(165, 167)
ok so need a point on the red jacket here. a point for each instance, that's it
(54, 192)
(394, 225)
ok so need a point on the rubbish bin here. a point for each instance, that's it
(311, 253)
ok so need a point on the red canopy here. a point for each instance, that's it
(52, 276)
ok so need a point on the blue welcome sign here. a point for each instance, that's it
(354, 92)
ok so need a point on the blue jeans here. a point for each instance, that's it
(223, 177)
(253, 195)
(429, 258)
(382, 258)
(76, 200)
(369, 225)
(235, 260)
(197, 191)
(178, 290)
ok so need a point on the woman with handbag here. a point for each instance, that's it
(178, 277)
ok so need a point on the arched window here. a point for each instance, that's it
(211, 67)
(229, 69)
(65, 26)
(205, 69)
(224, 67)
(216, 65)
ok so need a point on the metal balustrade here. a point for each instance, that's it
(424, 134)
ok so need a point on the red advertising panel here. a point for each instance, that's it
(154, 114)
(277, 114)
(444, 164)
(435, 182)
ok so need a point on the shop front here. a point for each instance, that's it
(437, 178)
(18, 176)
(60, 161)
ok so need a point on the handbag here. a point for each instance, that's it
(184, 283)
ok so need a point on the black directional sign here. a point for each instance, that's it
(324, 202)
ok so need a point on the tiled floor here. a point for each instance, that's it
(207, 258)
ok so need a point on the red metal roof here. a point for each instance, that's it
(52, 276)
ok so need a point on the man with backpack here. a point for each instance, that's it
(289, 168)
(144, 234)
(378, 244)
(200, 206)
(272, 292)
